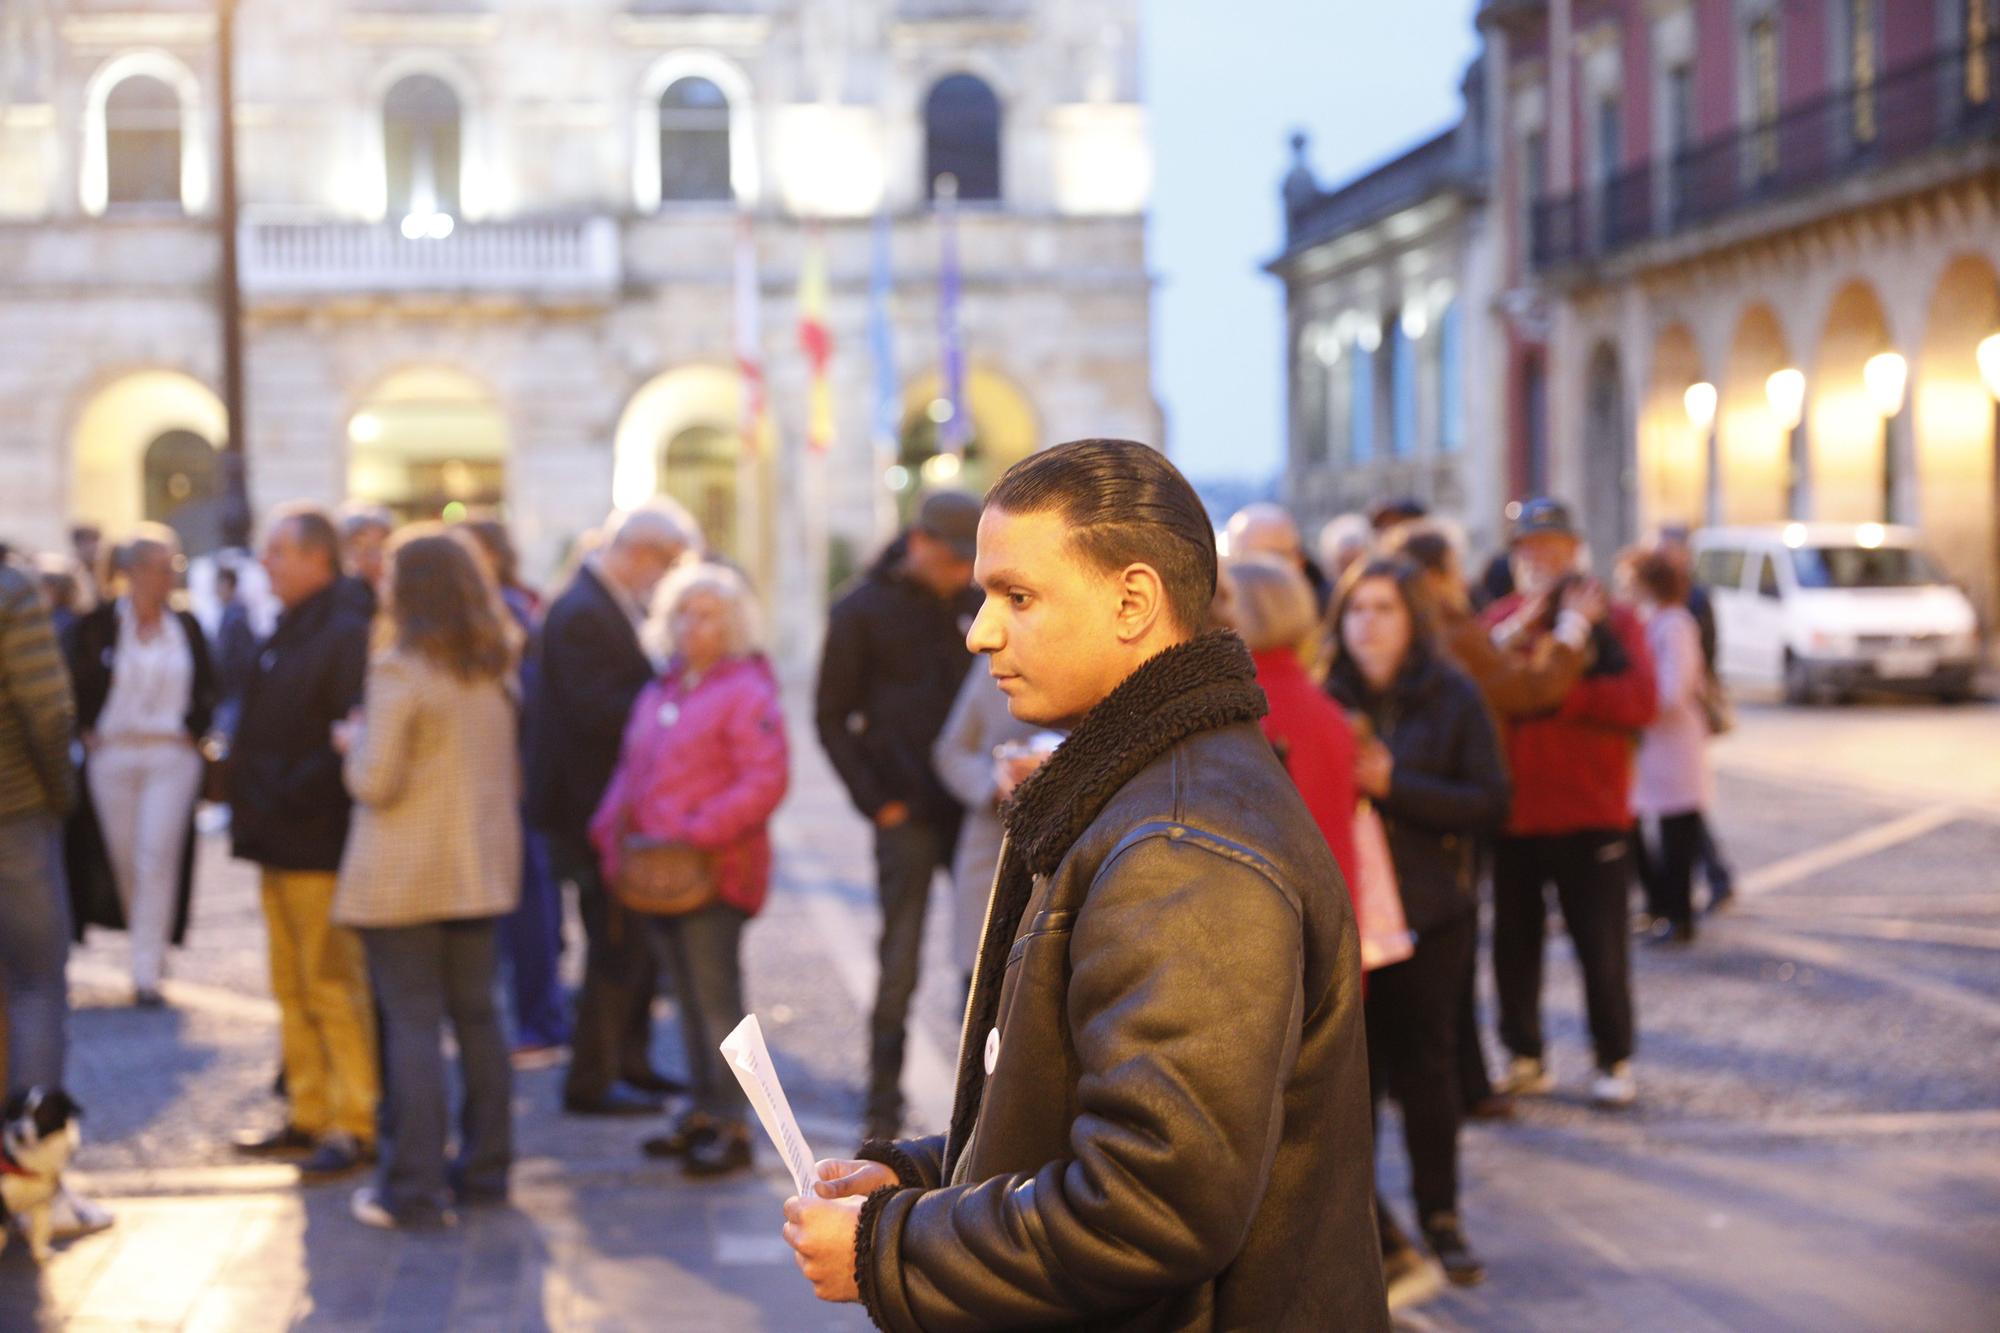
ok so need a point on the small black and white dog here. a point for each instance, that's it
(39, 1132)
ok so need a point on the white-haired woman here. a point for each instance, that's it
(704, 765)
(145, 693)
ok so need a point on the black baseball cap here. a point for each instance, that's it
(951, 517)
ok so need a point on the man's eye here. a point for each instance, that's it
(1017, 600)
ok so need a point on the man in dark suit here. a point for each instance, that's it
(590, 668)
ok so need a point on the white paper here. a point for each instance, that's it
(750, 1060)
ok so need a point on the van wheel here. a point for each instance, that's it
(1798, 680)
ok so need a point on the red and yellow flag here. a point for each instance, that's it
(816, 340)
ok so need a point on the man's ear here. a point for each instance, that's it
(1142, 601)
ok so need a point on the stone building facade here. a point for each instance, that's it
(1385, 277)
(1676, 195)
(487, 252)
(1753, 251)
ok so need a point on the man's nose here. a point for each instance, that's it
(985, 635)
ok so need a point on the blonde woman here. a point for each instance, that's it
(145, 693)
(429, 870)
(704, 764)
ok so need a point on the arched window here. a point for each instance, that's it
(420, 148)
(694, 141)
(142, 143)
(962, 137)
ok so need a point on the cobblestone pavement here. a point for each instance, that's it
(1817, 1144)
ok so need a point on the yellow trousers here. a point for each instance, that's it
(325, 1014)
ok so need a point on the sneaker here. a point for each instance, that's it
(1447, 1242)
(285, 1141)
(691, 1129)
(527, 1059)
(366, 1208)
(336, 1155)
(1526, 1076)
(719, 1152)
(1615, 1087)
(1410, 1277)
(74, 1215)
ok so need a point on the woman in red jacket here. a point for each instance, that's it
(1271, 607)
(704, 764)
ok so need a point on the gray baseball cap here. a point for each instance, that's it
(952, 517)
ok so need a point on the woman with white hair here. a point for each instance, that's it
(703, 767)
(145, 693)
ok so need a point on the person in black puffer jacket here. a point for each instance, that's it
(1434, 769)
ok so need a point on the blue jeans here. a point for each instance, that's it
(531, 941)
(422, 975)
(34, 948)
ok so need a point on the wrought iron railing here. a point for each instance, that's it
(1950, 98)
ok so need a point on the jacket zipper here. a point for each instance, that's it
(978, 975)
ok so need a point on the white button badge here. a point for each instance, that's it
(992, 1049)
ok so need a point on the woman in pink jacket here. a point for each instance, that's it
(704, 763)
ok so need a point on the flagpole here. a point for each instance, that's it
(754, 472)
(888, 413)
(953, 434)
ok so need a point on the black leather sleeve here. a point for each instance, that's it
(918, 1163)
(1186, 998)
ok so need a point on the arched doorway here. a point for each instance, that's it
(1672, 460)
(1957, 443)
(1003, 433)
(138, 453)
(183, 485)
(1754, 447)
(680, 436)
(962, 137)
(1848, 458)
(429, 442)
(1608, 481)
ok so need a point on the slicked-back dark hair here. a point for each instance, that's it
(1124, 504)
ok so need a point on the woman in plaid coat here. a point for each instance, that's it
(429, 870)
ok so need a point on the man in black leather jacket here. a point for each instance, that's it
(1161, 1118)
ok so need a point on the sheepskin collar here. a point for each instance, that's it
(1200, 685)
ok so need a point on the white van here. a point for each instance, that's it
(1825, 608)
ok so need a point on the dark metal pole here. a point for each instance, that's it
(229, 289)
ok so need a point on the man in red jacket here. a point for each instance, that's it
(1572, 772)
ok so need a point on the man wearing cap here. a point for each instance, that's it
(1572, 813)
(895, 656)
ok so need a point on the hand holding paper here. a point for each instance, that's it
(750, 1060)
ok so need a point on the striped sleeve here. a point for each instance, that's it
(35, 689)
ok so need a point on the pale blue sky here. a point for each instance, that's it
(1225, 84)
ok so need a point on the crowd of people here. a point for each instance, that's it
(418, 754)
(1534, 730)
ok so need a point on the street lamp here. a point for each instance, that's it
(1699, 400)
(236, 519)
(1885, 377)
(1989, 363)
(1785, 391)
